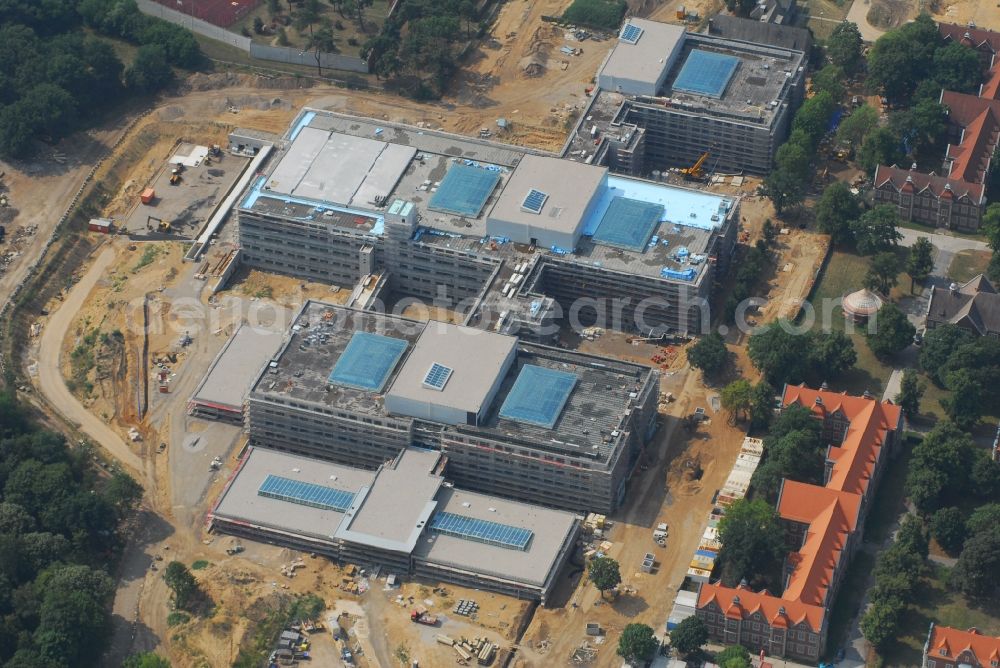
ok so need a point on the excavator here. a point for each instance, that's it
(694, 172)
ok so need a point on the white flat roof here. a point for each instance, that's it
(550, 529)
(569, 187)
(240, 501)
(228, 380)
(394, 514)
(645, 60)
(476, 358)
(338, 168)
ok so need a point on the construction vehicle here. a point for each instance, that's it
(175, 178)
(420, 615)
(694, 172)
(165, 227)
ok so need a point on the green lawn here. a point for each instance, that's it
(844, 274)
(888, 503)
(967, 264)
(935, 602)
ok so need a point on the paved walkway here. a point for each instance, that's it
(858, 14)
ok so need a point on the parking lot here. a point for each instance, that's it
(185, 191)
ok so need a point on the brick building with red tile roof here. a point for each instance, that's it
(949, 648)
(823, 524)
(955, 198)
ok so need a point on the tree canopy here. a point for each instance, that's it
(893, 332)
(883, 272)
(753, 542)
(709, 354)
(604, 573)
(781, 354)
(901, 58)
(637, 643)
(911, 389)
(844, 47)
(689, 636)
(920, 261)
(182, 583)
(938, 345)
(836, 210)
(855, 128)
(877, 230)
(58, 78)
(975, 573)
(792, 449)
(939, 468)
(58, 532)
(734, 656)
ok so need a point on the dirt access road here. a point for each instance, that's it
(53, 385)
(41, 190)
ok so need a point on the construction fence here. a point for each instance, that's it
(280, 54)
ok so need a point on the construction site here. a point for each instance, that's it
(137, 328)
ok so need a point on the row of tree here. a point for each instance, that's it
(897, 572)
(54, 78)
(59, 532)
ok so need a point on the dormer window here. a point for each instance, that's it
(944, 652)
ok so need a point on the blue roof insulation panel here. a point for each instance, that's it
(305, 493)
(628, 223)
(706, 73)
(538, 396)
(367, 361)
(482, 531)
(464, 190)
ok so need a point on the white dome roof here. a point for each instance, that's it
(862, 302)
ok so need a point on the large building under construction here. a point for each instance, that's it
(665, 97)
(516, 419)
(511, 239)
(404, 517)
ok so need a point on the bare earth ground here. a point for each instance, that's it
(984, 13)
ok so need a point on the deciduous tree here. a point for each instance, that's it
(883, 273)
(780, 353)
(948, 529)
(604, 573)
(844, 47)
(893, 332)
(975, 574)
(920, 262)
(181, 583)
(689, 636)
(709, 354)
(637, 643)
(737, 398)
(836, 209)
(911, 389)
(877, 230)
(855, 128)
(753, 541)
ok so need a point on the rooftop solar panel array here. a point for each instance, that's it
(305, 493)
(437, 376)
(706, 73)
(630, 33)
(483, 531)
(538, 396)
(464, 190)
(628, 223)
(534, 201)
(367, 361)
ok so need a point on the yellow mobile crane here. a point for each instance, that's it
(694, 172)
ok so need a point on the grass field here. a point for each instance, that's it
(349, 30)
(967, 264)
(844, 274)
(824, 16)
(927, 229)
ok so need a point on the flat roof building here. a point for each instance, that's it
(509, 236)
(636, 65)
(517, 419)
(402, 516)
(223, 391)
(691, 94)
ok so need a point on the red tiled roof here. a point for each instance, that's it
(750, 602)
(970, 35)
(869, 422)
(990, 89)
(939, 186)
(831, 512)
(955, 641)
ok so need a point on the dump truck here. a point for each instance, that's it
(422, 616)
